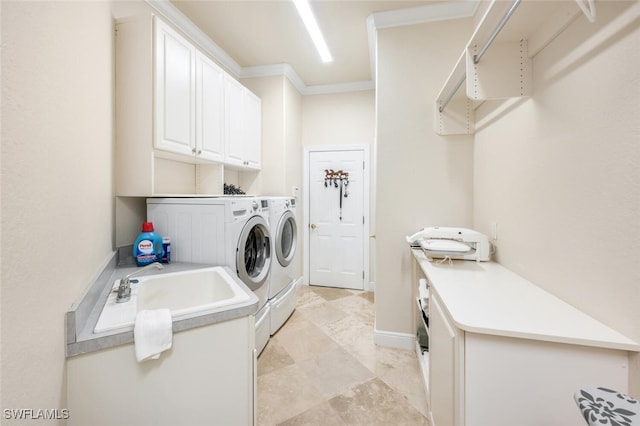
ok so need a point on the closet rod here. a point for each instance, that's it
(496, 31)
(453, 92)
(476, 58)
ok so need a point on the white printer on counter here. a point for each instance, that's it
(454, 243)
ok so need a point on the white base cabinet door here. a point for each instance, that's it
(206, 378)
(445, 355)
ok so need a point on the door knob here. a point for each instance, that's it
(313, 226)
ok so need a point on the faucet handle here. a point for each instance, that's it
(124, 290)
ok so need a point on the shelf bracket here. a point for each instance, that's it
(588, 7)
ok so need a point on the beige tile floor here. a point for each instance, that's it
(323, 368)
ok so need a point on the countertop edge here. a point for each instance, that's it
(622, 343)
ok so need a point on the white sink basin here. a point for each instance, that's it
(184, 293)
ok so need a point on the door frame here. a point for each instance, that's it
(366, 179)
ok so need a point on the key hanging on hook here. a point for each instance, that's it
(341, 200)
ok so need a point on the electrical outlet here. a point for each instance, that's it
(494, 230)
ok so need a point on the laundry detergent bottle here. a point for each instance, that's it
(148, 246)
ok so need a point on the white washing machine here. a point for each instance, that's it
(285, 272)
(221, 231)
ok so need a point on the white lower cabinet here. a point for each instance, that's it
(207, 377)
(446, 352)
(478, 379)
(504, 352)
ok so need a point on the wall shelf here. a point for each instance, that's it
(497, 61)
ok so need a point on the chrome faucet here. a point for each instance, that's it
(124, 290)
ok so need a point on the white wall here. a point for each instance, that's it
(422, 179)
(560, 172)
(339, 119)
(57, 189)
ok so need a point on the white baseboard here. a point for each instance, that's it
(371, 286)
(394, 340)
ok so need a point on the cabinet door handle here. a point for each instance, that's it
(313, 226)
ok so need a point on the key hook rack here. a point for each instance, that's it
(337, 179)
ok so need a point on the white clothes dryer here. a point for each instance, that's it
(221, 231)
(284, 269)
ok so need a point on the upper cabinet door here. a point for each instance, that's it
(253, 129)
(209, 109)
(234, 138)
(175, 91)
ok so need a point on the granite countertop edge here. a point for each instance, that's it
(83, 314)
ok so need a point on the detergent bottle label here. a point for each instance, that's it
(145, 247)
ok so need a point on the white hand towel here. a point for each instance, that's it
(152, 333)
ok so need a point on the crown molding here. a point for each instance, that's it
(287, 71)
(422, 14)
(454, 9)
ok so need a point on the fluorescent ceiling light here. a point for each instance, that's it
(304, 9)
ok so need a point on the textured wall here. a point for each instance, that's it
(422, 179)
(560, 171)
(57, 190)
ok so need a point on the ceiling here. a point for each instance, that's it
(260, 34)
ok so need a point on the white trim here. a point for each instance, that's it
(288, 71)
(422, 14)
(393, 18)
(394, 340)
(366, 178)
(275, 70)
(324, 89)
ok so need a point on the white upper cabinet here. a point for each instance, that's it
(253, 138)
(200, 110)
(176, 112)
(234, 145)
(175, 91)
(243, 126)
(189, 103)
(209, 109)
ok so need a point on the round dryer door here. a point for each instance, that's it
(285, 238)
(253, 254)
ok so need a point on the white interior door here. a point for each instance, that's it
(336, 220)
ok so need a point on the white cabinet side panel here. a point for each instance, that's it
(531, 383)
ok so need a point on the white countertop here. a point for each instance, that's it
(487, 298)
